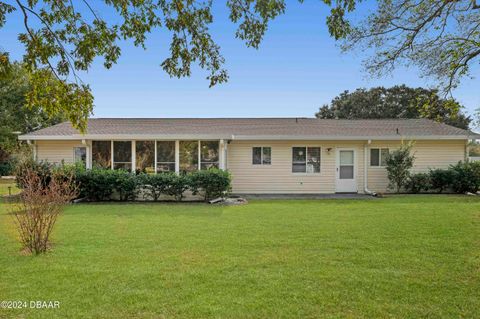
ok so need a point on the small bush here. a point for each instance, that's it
(211, 183)
(100, 184)
(440, 179)
(7, 168)
(399, 163)
(418, 183)
(465, 177)
(28, 166)
(36, 213)
(155, 185)
(178, 184)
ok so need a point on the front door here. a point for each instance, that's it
(346, 182)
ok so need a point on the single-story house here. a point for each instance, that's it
(264, 155)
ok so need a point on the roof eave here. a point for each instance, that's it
(241, 137)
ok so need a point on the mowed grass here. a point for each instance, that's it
(398, 257)
(5, 184)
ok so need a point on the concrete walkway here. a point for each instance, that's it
(304, 196)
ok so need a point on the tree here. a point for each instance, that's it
(62, 39)
(440, 37)
(395, 102)
(15, 116)
(399, 162)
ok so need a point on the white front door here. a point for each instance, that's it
(346, 171)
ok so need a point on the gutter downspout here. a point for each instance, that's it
(365, 170)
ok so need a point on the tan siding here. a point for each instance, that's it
(278, 177)
(428, 154)
(56, 151)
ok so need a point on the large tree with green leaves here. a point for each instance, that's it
(440, 37)
(15, 117)
(395, 102)
(63, 37)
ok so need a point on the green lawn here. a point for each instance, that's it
(399, 257)
(5, 184)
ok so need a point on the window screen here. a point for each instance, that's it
(122, 155)
(101, 154)
(166, 156)
(261, 155)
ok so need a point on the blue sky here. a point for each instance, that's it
(297, 68)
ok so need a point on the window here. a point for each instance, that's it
(165, 156)
(378, 156)
(80, 155)
(145, 156)
(188, 156)
(209, 154)
(122, 155)
(306, 159)
(101, 154)
(261, 155)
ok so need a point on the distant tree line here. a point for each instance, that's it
(399, 101)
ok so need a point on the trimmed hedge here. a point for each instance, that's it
(460, 178)
(102, 185)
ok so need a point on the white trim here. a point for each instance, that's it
(306, 160)
(189, 137)
(261, 164)
(379, 157)
(155, 161)
(337, 170)
(199, 155)
(134, 156)
(177, 156)
(111, 155)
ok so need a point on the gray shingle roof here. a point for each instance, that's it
(250, 128)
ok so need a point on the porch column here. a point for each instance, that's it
(155, 161)
(111, 155)
(221, 155)
(177, 156)
(88, 148)
(134, 156)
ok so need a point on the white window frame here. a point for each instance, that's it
(74, 154)
(167, 163)
(132, 154)
(379, 157)
(306, 159)
(261, 156)
(200, 154)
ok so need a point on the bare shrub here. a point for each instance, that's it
(39, 205)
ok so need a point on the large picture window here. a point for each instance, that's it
(145, 156)
(378, 157)
(209, 154)
(165, 156)
(306, 159)
(188, 156)
(101, 154)
(122, 155)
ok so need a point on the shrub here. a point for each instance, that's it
(399, 163)
(211, 183)
(7, 168)
(178, 184)
(155, 185)
(418, 183)
(465, 177)
(126, 185)
(440, 179)
(42, 169)
(39, 206)
(100, 184)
